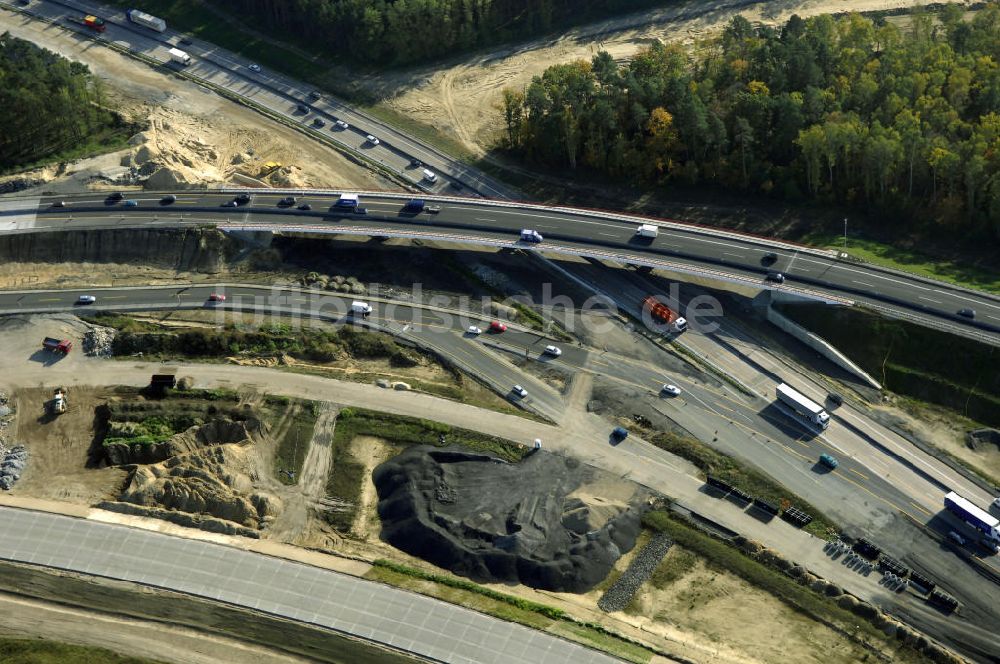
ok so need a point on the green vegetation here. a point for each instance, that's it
(51, 109)
(835, 110)
(132, 421)
(511, 608)
(148, 431)
(712, 462)
(33, 651)
(678, 562)
(912, 360)
(347, 475)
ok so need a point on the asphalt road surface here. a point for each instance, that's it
(726, 256)
(374, 612)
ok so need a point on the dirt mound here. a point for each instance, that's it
(215, 481)
(218, 431)
(490, 520)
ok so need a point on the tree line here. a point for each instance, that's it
(840, 110)
(48, 104)
(405, 31)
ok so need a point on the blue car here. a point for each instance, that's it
(131, 203)
(619, 434)
(828, 461)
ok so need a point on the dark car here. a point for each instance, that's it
(168, 199)
(287, 201)
(302, 108)
(835, 399)
(313, 96)
(319, 122)
(967, 313)
(184, 41)
(769, 258)
(619, 434)
(116, 196)
(360, 210)
(229, 204)
(305, 207)
(776, 277)
(416, 163)
(58, 204)
(243, 199)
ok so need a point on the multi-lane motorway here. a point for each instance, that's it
(722, 255)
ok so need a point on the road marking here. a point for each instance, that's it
(861, 475)
(52, 299)
(481, 219)
(929, 299)
(726, 253)
(114, 297)
(609, 234)
(863, 283)
(927, 512)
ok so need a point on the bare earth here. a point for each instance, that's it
(463, 100)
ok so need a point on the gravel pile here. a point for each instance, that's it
(12, 466)
(97, 341)
(643, 565)
(6, 417)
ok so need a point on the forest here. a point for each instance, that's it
(48, 106)
(902, 122)
(404, 31)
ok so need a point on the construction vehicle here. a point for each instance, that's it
(63, 346)
(663, 314)
(58, 404)
(146, 20)
(89, 21)
(269, 168)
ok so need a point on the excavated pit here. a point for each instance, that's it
(548, 522)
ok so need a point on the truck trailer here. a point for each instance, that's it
(179, 56)
(63, 346)
(805, 408)
(663, 314)
(146, 20)
(976, 517)
(89, 21)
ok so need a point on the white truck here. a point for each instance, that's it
(360, 308)
(146, 20)
(58, 403)
(647, 230)
(805, 408)
(180, 57)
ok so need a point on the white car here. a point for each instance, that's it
(672, 390)
(474, 330)
(554, 351)
(86, 299)
(341, 124)
(254, 67)
(371, 139)
(519, 391)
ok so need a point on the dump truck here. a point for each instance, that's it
(663, 314)
(58, 403)
(89, 21)
(179, 56)
(54, 345)
(146, 20)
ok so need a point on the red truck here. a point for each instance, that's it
(92, 22)
(663, 313)
(63, 346)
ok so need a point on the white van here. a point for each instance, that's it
(430, 176)
(360, 308)
(647, 230)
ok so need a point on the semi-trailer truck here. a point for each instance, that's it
(92, 22)
(803, 407)
(663, 314)
(976, 517)
(146, 20)
(63, 346)
(179, 56)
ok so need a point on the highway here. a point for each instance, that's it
(280, 95)
(723, 256)
(401, 620)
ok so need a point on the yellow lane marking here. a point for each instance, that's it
(928, 513)
(788, 449)
(51, 299)
(861, 475)
(114, 297)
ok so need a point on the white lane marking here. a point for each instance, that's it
(864, 283)
(481, 219)
(929, 299)
(967, 299)
(608, 234)
(726, 253)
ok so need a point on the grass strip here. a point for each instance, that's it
(34, 651)
(291, 449)
(713, 462)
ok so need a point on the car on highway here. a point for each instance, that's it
(619, 434)
(497, 327)
(528, 235)
(416, 163)
(229, 204)
(835, 399)
(58, 204)
(243, 199)
(360, 210)
(131, 203)
(769, 258)
(519, 391)
(672, 390)
(168, 199)
(116, 196)
(829, 461)
(253, 66)
(319, 122)
(341, 124)
(216, 297)
(956, 538)
(474, 330)
(86, 299)
(302, 108)
(184, 41)
(776, 277)
(554, 351)
(313, 95)
(305, 207)
(371, 139)
(967, 313)
(287, 201)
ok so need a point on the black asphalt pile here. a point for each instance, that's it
(543, 522)
(639, 571)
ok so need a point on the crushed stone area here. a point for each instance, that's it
(636, 574)
(535, 522)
